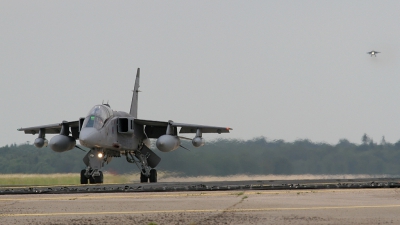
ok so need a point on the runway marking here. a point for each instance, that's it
(197, 211)
(141, 195)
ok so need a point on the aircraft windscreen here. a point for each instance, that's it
(97, 116)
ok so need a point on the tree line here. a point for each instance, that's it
(227, 157)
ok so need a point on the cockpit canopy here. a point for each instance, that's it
(97, 116)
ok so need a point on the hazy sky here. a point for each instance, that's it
(280, 69)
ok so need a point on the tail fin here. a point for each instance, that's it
(134, 104)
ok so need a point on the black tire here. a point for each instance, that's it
(143, 178)
(99, 179)
(91, 180)
(153, 176)
(84, 179)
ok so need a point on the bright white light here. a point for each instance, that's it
(100, 155)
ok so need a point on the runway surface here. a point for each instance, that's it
(306, 206)
(209, 186)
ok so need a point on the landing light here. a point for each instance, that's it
(100, 155)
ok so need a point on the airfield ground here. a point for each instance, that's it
(328, 206)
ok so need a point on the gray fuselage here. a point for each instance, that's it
(100, 130)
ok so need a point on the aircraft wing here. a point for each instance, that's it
(185, 128)
(192, 128)
(49, 129)
(151, 123)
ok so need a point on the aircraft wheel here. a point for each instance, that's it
(91, 180)
(99, 179)
(143, 178)
(84, 179)
(153, 176)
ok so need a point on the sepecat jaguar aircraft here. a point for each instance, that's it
(373, 53)
(111, 134)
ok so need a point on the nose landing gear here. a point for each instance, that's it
(94, 161)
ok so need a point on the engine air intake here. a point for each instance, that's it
(125, 125)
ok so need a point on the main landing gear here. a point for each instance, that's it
(145, 160)
(152, 178)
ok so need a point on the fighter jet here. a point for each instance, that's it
(373, 53)
(108, 133)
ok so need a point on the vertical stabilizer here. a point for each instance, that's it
(134, 104)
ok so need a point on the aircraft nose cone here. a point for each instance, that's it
(88, 137)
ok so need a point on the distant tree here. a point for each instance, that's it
(397, 145)
(226, 157)
(383, 141)
(344, 142)
(365, 139)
